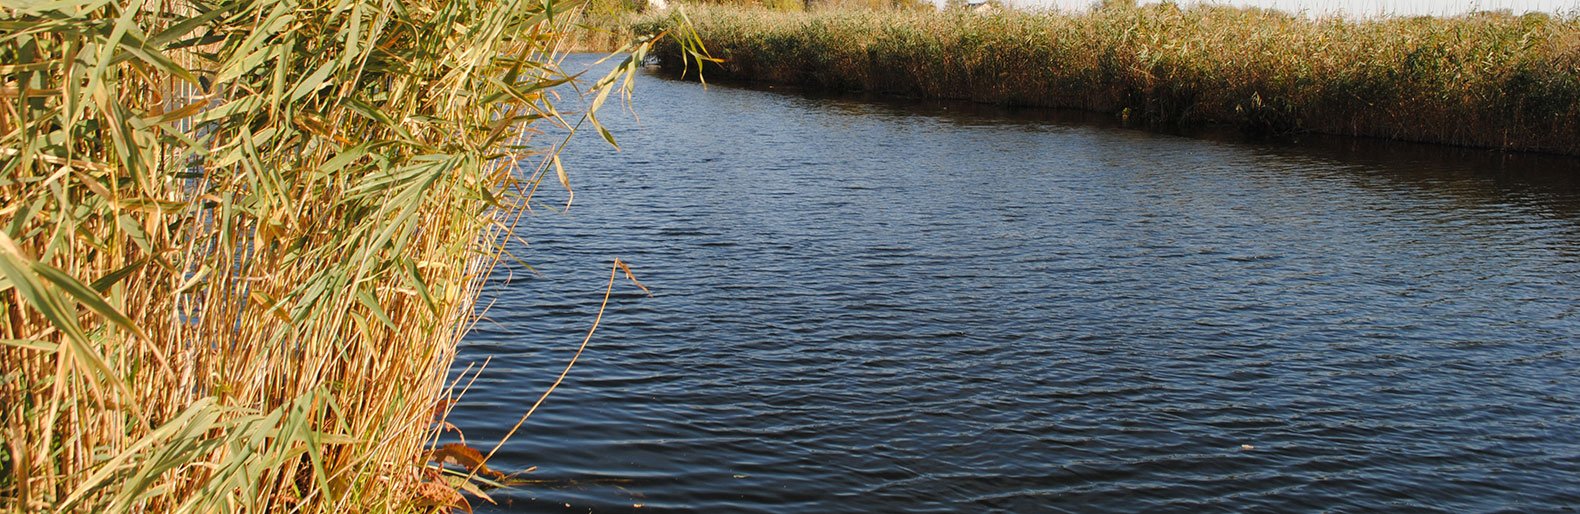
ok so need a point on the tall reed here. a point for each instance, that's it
(1486, 79)
(240, 240)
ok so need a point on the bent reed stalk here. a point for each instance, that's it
(241, 239)
(1488, 80)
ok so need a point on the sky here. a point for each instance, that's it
(1357, 7)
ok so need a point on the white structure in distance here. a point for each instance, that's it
(1350, 8)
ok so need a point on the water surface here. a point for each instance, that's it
(889, 306)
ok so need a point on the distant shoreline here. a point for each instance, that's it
(1487, 80)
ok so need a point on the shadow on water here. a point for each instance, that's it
(1477, 174)
(1480, 175)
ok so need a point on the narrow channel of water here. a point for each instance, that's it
(866, 306)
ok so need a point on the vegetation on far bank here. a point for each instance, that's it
(605, 25)
(1490, 80)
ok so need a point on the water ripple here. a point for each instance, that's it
(866, 306)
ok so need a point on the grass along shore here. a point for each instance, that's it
(1480, 80)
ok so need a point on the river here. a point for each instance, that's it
(866, 305)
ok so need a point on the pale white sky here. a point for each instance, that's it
(1357, 7)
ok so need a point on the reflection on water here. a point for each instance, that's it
(881, 306)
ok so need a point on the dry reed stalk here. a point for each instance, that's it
(240, 240)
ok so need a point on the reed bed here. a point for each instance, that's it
(1483, 80)
(605, 25)
(241, 239)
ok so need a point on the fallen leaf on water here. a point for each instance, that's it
(464, 456)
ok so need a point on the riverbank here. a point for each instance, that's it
(1483, 80)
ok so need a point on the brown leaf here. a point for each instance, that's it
(464, 456)
(627, 269)
(441, 407)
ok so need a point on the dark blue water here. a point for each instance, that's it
(865, 306)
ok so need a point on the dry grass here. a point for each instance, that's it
(240, 240)
(605, 25)
(1485, 80)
